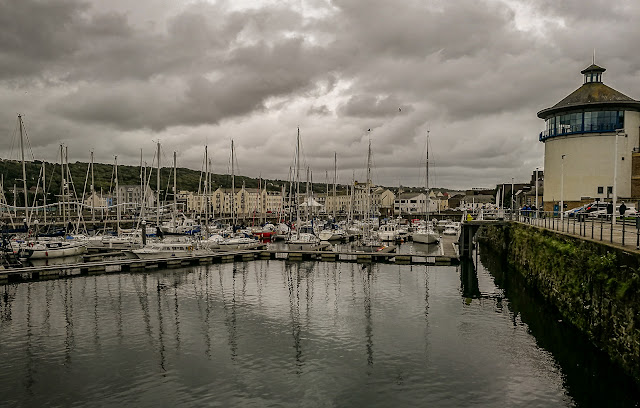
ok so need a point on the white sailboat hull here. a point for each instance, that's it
(425, 237)
(53, 250)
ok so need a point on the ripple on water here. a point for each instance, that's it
(277, 334)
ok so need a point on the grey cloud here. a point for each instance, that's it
(35, 34)
(126, 73)
(369, 105)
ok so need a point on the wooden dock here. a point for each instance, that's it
(104, 263)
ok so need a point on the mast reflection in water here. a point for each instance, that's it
(273, 333)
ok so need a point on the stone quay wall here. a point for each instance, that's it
(594, 286)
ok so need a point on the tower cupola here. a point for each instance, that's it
(593, 73)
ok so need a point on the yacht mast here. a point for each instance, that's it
(62, 183)
(44, 191)
(213, 209)
(335, 180)
(233, 189)
(306, 197)
(143, 191)
(351, 196)
(93, 192)
(297, 200)
(24, 172)
(118, 209)
(427, 181)
(158, 189)
(175, 200)
(326, 180)
(206, 191)
(289, 210)
(368, 210)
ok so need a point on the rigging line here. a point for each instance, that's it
(113, 171)
(86, 179)
(53, 173)
(13, 141)
(432, 169)
(202, 170)
(35, 195)
(26, 135)
(146, 188)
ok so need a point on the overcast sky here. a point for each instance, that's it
(115, 76)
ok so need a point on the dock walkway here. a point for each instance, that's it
(94, 265)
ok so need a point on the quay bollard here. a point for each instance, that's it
(601, 222)
(611, 230)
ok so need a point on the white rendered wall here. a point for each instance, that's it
(588, 163)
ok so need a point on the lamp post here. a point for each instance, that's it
(537, 210)
(615, 175)
(562, 189)
(512, 198)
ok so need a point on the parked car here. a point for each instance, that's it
(586, 209)
(578, 210)
(630, 212)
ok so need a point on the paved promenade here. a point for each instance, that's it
(623, 234)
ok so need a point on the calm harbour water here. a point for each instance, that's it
(274, 333)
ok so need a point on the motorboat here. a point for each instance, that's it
(180, 225)
(388, 232)
(374, 245)
(452, 228)
(267, 231)
(334, 233)
(239, 241)
(303, 241)
(160, 250)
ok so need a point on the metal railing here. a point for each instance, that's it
(625, 231)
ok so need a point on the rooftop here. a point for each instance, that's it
(593, 93)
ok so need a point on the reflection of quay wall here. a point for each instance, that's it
(594, 286)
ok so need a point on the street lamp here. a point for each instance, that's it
(562, 189)
(512, 198)
(537, 193)
(615, 174)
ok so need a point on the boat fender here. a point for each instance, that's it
(46, 253)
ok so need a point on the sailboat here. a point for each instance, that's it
(301, 240)
(334, 232)
(42, 249)
(425, 233)
(370, 242)
(179, 224)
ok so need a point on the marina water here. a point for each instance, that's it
(277, 333)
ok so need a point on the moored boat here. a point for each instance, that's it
(51, 249)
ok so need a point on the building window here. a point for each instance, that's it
(600, 190)
(610, 190)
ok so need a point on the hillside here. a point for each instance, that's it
(186, 179)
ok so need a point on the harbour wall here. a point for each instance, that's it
(594, 286)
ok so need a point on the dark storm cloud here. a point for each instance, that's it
(35, 34)
(473, 72)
